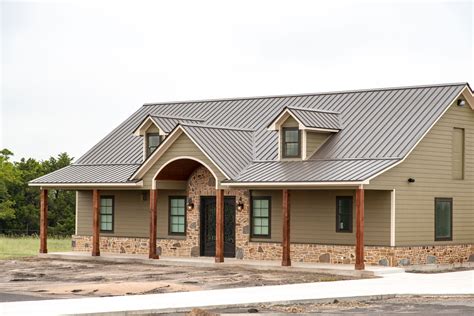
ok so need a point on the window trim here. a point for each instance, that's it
(338, 198)
(171, 233)
(450, 238)
(269, 199)
(113, 213)
(147, 146)
(283, 142)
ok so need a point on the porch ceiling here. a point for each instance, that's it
(178, 170)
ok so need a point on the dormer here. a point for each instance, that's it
(303, 131)
(155, 128)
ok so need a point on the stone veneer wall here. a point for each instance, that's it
(202, 183)
(387, 256)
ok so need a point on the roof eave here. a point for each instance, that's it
(307, 184)
(136, 184)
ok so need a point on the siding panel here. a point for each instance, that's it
(431, 165)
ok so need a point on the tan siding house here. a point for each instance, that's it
(378, 176)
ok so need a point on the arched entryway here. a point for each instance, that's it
(211, 212)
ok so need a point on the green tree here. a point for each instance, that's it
(19, 203)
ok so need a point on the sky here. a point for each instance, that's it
(71, 71)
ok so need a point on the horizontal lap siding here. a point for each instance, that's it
(132, 214)
(431, 165)
(183, 146)
(313, 217)
(314, 140)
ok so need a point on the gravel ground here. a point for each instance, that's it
(407, 305)
(46, 278)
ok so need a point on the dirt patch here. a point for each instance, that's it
(412, 305)
(53, 278)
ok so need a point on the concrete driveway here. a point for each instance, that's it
(452, 283)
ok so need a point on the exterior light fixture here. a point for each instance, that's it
(144, 195)
(190, 204)
(411, 180)
(240, 205)
(461, 102)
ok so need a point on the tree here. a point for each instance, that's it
(19, 202)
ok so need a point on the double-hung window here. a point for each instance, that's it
(344, 214)
(261, 221)
(291, 142)
(177, 215)
(107, 214)
(152, 142)
(443, 219)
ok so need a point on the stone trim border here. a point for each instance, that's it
(334, 254)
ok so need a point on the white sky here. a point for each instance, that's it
(72, 71)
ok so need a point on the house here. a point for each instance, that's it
(380, 176)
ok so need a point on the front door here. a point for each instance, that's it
(208, 226)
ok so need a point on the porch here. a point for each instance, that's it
(212, 220)
(267, 265)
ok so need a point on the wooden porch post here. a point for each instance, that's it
(359, 251)
(219, 226)
(153, 214)
(285, 260)
(43, 221)
(95, 223)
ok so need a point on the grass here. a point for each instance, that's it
(18, 247)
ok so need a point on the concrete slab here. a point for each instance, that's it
(453, 283)
(335, 269)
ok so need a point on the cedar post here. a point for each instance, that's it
(43, 221)
(153, 215)
(360, 265)
(285, 260)
(95, 223)
(219, 226)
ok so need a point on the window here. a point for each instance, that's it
(107, 214)
(291, 142)
(261, 208)
(344, 214)
(458, 153)
(152, 142)
(177, 215)
(443, 219)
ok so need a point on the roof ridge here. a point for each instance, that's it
(178, 117)
(312, 110)
(309, 94)
(218, 127)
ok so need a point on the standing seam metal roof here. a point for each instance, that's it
(376, 124)
(317, 119)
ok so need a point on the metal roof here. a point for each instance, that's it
(230, 148)
(344, 170)
(89, 174)
(167, 124)
(316, 118)
(376, 124)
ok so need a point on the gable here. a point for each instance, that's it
(431, 161)
(290, 122)
(182, 147)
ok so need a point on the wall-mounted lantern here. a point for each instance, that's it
(190, 204)
(240, 205)
(411, 180)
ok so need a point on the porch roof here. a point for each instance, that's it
(88, 174)
(330, 171)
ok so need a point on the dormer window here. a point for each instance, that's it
(152, 142)
(304, 131)
(291, 142)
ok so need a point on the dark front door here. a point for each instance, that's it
(208, 226)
